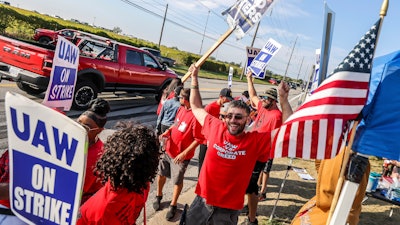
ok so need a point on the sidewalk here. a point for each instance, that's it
(295, 193)
(158, 218)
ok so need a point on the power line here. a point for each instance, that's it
(176, 23)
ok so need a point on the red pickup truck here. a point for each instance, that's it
(46, 36)
(104, 65)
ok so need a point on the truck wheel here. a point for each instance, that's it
(29, 89)
(85, 91)
(44, 40)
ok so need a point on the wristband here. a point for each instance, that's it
(194, 87)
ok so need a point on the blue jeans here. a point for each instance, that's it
(200, 213)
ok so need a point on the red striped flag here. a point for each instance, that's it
(316, 129)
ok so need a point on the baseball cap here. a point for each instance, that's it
(226, 92)
(270, 93)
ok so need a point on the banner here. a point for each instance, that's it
(329, 21)
(315, 79)
(259, 63)
(251, 54)
(245, 13)
(230, 77)
(47, 162)
(60, 91)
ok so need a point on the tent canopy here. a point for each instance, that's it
(378, 133)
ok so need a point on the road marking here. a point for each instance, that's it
(8, 85)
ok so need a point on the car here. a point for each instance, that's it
(46, 36)
(163, 60)
(273, 81)
(104, 65)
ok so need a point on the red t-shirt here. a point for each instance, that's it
(185, 130)
(5, 175)
(113, 207)
(267, 120)
(91, 184)
(213, 108)
(229, 163)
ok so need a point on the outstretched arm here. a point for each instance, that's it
(252, 91)
(195, 98)
(283, 92)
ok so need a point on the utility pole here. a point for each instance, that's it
(301, 64)
(290, 58)
(204, 33)
(162, 27)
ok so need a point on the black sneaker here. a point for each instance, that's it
(247, 222)
(171, 212)
(157, 203)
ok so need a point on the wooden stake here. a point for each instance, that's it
(209, 52)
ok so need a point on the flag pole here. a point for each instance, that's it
(346, 157)
(209, 52)
(383, 11)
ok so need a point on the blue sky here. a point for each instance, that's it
(188, 20)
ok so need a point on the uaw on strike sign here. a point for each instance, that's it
(60, 91)
(47, 162)
(245, 13)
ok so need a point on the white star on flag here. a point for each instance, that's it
(316, 129)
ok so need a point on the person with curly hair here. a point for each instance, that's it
(93, 120)
(128, 165)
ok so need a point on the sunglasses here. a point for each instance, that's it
(264, 97)
(235, 116)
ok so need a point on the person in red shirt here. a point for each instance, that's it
(269, 117)
(225, 95)
(127, 167)
(182, 139)
(229, 161)
(6, 215)
(93, 120)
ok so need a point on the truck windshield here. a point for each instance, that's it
(96, 50)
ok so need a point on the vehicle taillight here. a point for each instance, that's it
(47, 64)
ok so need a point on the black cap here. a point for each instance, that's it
(226, 92)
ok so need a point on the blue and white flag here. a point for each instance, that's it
(60, 91)
(379, 130)
(259, 63)
(245, 13)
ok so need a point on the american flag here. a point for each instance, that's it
(316, 129)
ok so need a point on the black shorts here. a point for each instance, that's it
(253, 186)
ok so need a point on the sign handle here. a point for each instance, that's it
(209, 52)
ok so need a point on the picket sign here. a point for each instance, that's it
(47, 162)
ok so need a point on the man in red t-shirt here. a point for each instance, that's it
(269, 117)
(225, 95)
(229, 161)
(182, 139)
